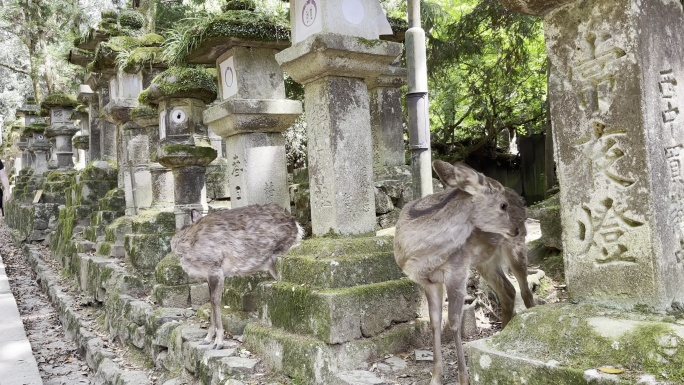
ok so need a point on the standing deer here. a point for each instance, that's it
(474, 222)
(236, 242)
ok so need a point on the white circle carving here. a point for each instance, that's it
(353, 11)
(178, 116)
(228, 77)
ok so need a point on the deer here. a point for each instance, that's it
(474, 222)
(234, 242)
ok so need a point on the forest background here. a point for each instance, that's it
(487, 66)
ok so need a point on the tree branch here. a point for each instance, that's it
(15, 69)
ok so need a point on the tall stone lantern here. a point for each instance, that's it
(62, 128)
(335, 47)
(28, 114)
(253, 110)
(181, 95)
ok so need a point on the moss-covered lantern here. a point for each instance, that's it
(62, 128)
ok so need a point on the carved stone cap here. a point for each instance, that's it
(329, 54)
(53, 131)
(534, 7)
(181, 155)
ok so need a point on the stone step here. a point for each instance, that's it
(340, 262)
(308, 360)
(338, 315)
(85, 247)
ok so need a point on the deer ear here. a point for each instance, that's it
(465, 178)
(195, 215)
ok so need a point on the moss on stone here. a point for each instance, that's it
(243, 24)
(369, 43)
(140, 58)
(107, 52)
(34, 128)
(144, 111)
(131, 19)
(59, 100)
(182, 82)
(194, 151)
(582, 337)
(152, 40)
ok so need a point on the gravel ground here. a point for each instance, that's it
(59, 362)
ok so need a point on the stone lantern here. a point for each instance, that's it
(181, 95)
(335, 48)
(39, 146)
(61, 128)
(253, 111)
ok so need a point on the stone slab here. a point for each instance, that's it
(238, 116)
(342, 262)
(310, 361)
(569, 344)
(330, 54)
(338, 315)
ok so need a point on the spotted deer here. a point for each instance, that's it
(474, 222)
(236, 242)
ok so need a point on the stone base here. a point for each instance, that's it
(575, 344)
(309, 360)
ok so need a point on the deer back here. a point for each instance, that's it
(238, 241)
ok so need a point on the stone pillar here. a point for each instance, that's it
(90, 122)
(124, 89)
(387, 123)
(103, 132)
(189, 165)
(615, 90)
(160, 177)
(332, 68)
(61, 129)
(81, 140)
(132, 153)
(251, 117)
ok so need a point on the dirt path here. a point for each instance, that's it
(56, 355)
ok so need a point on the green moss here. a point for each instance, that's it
(152, 40)
(34, 128)
(244, 24)
(370, 43)
(59, 100)
(182, 82)
(144, 111)
(239, 5)
(582, 337)
(110, 16)
(131, 19)
(194, 151)
(140, 57)
(107, 52)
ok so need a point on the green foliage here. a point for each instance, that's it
(487, 76)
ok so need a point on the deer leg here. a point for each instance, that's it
(216, 299)
(456, 282)
(213, 283)
(434, 295)
(519, 268)
(497, 280)
(272, 269)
